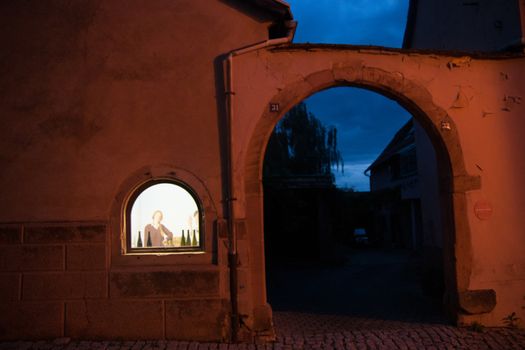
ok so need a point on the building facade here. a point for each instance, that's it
(101, 102)
(394, 181)
(466, 25)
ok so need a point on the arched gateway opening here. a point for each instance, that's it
(439, 127)
(338, 242)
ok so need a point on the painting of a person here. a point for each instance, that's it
(158, 233)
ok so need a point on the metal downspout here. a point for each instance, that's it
(230, 196)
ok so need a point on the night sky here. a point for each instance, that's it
(366, 121)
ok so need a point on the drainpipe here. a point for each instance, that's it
(230, 196)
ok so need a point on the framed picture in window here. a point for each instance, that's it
(163, 216)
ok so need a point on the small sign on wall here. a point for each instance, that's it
(483, 210)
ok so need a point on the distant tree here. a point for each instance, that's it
(301, 145)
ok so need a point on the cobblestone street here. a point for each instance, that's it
(372, 302)
(307, 331)
(313, 331)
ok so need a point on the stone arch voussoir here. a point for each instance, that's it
(414, 97)
(417, 100)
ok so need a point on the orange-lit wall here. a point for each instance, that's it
(471, 106)
(98, 97)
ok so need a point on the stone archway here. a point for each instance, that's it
(454, 179)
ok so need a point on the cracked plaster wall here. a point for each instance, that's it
(471, 106)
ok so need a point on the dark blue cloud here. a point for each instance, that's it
(366, 120)
(360, 22)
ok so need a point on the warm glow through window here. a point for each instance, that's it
(164, 216)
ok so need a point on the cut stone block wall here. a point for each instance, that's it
(56, 281)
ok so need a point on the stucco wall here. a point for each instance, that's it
(95, 98)
(470, 108)
(93, 91)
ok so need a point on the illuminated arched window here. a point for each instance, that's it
(163, 216)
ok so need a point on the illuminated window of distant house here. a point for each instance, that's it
(163, 216)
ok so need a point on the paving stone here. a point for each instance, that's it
(321, 332)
